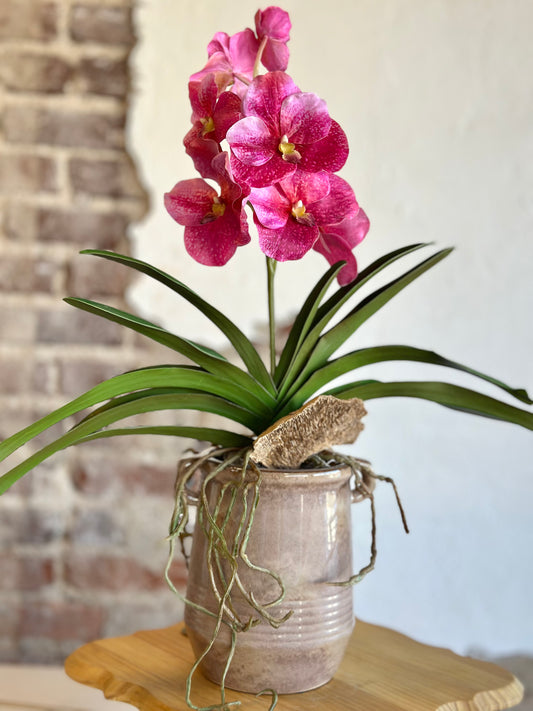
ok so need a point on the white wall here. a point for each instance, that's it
(436, 97)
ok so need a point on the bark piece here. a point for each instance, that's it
(321, 423)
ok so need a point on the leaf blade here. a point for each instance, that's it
(236, 337)
(379, 354)
(214, 363)
(191, 401)
(453, 396)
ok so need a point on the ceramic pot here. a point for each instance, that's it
(301, 530)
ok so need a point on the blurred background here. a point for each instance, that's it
(436, 98)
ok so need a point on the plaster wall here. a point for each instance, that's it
(436, 97)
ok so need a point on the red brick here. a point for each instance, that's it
(25, 573)
(99, 75)
(112, 178)
(31, 526)
(28, 19)
(63, 128)
(15, 375)
(95, 527)
(98, 230)
(20, 221)
(26, 174)
(95, 278)
(105, 25)
(17, 325)
(27, 274)
(76, 327)
(42, 73)
(61, 620)
(96, 475)
(76, 376)
(110, 573)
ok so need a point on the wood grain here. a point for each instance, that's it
(382, 671)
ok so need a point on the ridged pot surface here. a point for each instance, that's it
(301, 530)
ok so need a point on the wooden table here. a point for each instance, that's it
(382, 671)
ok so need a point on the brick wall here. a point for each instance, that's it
(81, 538)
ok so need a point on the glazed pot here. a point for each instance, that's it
(301, 532)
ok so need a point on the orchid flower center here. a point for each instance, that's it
(208, 125)
(303, 217)
(288, 151)
(218, 208)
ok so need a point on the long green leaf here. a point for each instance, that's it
(254, 421)
(200, 355)
(452, 396)
(328, 310)
(237, 338)
(158, 376)
(380, 354)
(222, 438)
(191, 401)
(305, 318)
(330, 341)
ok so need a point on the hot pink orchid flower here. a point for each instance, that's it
(337, 241)
(212, 115)
(289, 216)
(273, 27)
(230, 59)
(283, 129)
(215, 225)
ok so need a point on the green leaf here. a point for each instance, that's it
(190, 401)
(304, 320)
(380, 354)
(211, 361)
(326, 313)
(237, 338)
(159, 376)
(254, 421)
(452, 396)
(222, 438)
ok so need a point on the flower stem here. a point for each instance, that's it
(271, 270)
(257, 64)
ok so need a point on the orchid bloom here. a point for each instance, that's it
(272, 27)
(283, 129)
(337, 241)
(212, 115)
(289, 217)
(215, 225)
(231, 60)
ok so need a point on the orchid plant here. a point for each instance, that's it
(273, 151)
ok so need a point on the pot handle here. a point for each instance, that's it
(363, 489)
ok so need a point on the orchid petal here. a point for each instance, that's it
(190, 201)
(274, 23)
(304, 118)
(352, 229)
(307, 187)
(251, 141)
(261, 176)
(219, 43)
(271, 208)
(337, 205)
(214, 243)
(202, 150)
(290, 242)
(203, 96)
(243, 48)
(228, 111)
(275, 56)
(329, 154)
(265, 96)
(334, 249)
